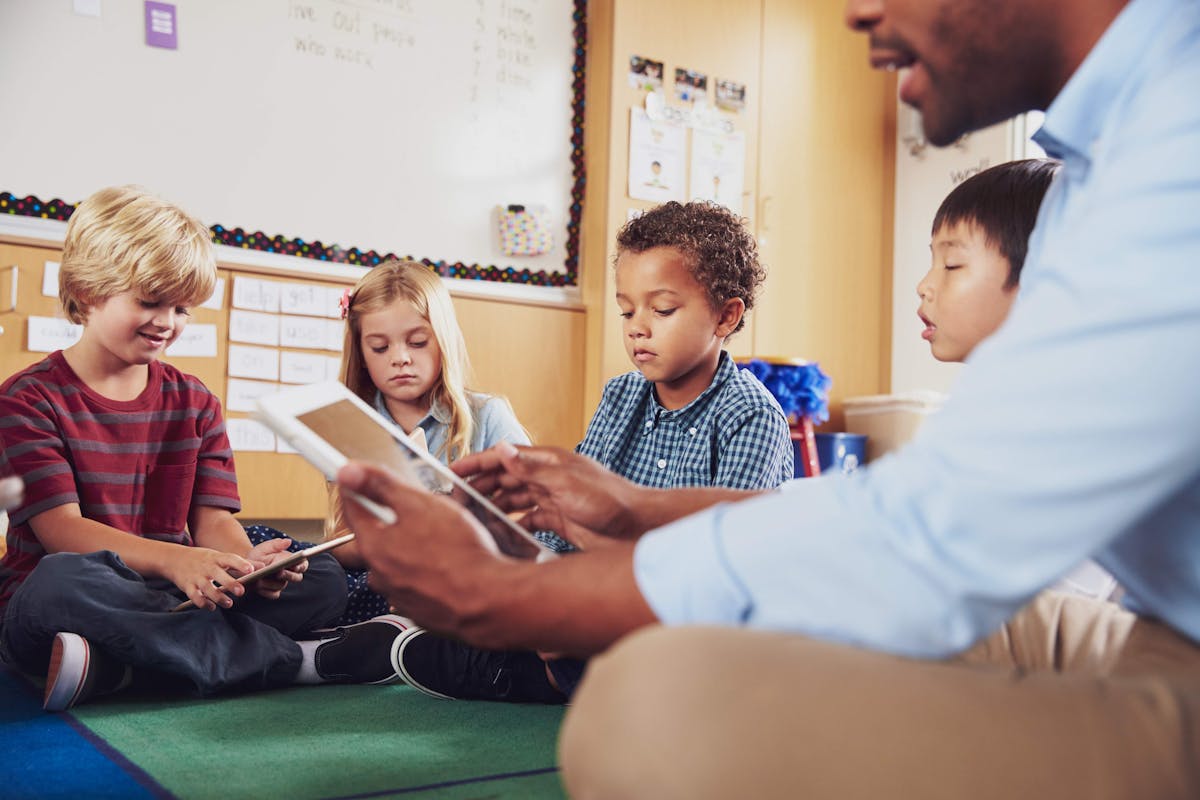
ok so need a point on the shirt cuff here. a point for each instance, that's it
(682, 572)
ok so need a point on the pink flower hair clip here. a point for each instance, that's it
(347, 299)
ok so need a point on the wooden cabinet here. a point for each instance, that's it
(826, 165)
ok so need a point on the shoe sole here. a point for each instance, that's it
(398, 663)
(69, 655)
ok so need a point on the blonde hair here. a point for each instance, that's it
(125, 239)
(417, 284)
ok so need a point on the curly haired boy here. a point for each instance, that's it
(686, 274)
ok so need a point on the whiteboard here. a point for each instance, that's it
(367, 126)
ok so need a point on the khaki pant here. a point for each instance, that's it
(1073, 698)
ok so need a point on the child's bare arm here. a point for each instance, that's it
(63, 529)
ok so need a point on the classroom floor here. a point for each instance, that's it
(305, 742)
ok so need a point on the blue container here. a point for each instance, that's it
(841, 452)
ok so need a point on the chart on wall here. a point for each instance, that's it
(341, 130)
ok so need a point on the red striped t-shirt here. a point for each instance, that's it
(138, 466)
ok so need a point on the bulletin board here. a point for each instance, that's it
(337, 130)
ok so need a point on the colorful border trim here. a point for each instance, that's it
(31, 206)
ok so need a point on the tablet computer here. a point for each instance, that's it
(290, 560)
(330, 425)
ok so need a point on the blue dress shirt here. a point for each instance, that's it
(1074, 431)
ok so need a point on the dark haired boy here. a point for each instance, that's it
(980, 234)
(687, 416)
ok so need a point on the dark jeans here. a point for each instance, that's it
(129, 618)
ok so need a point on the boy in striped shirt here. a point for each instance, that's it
(130, 493)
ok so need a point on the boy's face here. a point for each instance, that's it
(673, 335)
(134, 329)
(963, 296)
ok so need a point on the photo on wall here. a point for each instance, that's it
(690, 86)
(731, 96)
(645, 73)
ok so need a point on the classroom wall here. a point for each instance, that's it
(820, 133)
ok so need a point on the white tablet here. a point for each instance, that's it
(330, 425)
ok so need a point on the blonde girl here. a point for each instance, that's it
(404, 355)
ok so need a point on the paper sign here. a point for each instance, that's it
(241, 395)
(302, 332)
(656, 158)
(197, 339)
(306, 298)
(50, 279)
(334, 308)
(335, 335)
(248, 435)
(302, 367)
(217, 301)
(282, 446)
(333, 368)
(253, 294)
(253, 362)
(161, 30)
(253, 328)
(47, 334)
(718, 167)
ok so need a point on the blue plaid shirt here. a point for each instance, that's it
(733, 435)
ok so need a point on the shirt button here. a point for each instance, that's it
(662, 463)
(691, 431)
(649, 422)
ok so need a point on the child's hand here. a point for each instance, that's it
(267, 553)
(208, 577)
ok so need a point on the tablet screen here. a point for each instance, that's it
(358, 436)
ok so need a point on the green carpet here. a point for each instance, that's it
(333, 742)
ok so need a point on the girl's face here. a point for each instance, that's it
(402, 356)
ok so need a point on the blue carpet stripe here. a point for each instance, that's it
(448, 784)
(53, 755)
(135, 773)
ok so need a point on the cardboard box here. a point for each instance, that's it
(889, 420)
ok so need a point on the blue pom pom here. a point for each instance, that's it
(801, 389)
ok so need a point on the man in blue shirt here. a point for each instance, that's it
(872, 635)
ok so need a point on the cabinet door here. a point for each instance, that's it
(825, 177)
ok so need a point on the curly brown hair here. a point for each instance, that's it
(721, 253)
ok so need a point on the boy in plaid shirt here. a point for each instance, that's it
(685, 276)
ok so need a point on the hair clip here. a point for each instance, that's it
(347, 299)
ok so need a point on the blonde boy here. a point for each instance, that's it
(130, 491)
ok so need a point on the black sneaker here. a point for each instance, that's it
(79, 671)
(451, 670)
(361, 653)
